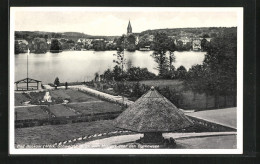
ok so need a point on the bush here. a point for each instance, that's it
(137, 73)
(171, 94)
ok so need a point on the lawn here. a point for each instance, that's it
(51, 134)
(60, 93)
(60, 110)
(95, 107)
(37, 96)
(57, 97)
(226, 117)
(212, 142)
(20, 98)
(36, 112)
(72, 95)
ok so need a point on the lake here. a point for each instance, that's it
(73, 66)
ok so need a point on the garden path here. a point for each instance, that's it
(112, 142)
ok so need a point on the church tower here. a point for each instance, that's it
(129, 28)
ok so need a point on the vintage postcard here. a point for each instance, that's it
(126, 80)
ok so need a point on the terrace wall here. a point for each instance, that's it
(214, 126)
(66, 120)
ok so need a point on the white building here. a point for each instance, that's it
(196, 44)
(185, 40)
(150, 38)
(136, 40)
(20, 41)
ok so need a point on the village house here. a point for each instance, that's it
(81, 40)
(88, 41)
(196, 44)
(174, 39)
(185, 40)
(151, 37)
(136, 40)
(85, 41)
(22, 41)
(98, 39)
(48, 41)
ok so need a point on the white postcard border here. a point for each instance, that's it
(239, 150)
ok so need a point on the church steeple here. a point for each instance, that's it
(129, 28)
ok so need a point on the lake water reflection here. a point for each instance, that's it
(82, 65)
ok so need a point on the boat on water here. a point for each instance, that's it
(146, 48)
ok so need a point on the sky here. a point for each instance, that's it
(114, 21)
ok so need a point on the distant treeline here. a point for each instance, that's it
(191, 32)
(30, 35)
(41, 42)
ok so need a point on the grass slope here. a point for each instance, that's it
(36, 112)
(61, 110)
(95, 107)
(51, 134)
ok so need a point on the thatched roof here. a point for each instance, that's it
(152, 113)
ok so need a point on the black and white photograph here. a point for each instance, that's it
(126, 80)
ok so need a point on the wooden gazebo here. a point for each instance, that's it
(152, 114)
(28, 84)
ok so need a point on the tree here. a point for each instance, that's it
(218, 74)
(17, 49)
(108, 75)
(118, 74)
(179, 45)
(131, 39)
(130, 44)
(99, 45)
(137, 90)
(96, 76)
(171, 94)
(162, 44)
(55, 46)
(181, 72)
(120, 43)
(144, 40)
(204, 44)
(46, 37)
(120, 55)
(187, 46)
(221, 60)
(137, 74)
(198, 81)
(40, 45)
(213, 35)
(171, 60)
(205, 36)
(20, 48)
(65, 46)
(56, 82)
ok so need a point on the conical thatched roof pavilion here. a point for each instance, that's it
(152, 114)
